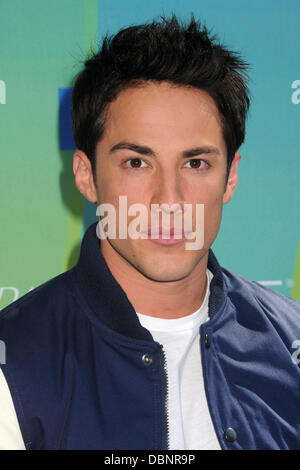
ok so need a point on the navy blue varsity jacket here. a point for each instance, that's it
(78, 368)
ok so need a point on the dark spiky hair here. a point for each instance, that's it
(166, 50)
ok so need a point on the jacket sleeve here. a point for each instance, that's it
(10, 433)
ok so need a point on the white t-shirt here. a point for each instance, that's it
(189, 420)
(190, 425)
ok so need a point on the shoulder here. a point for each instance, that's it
(250, 296)
(38, 312)
(46, 294)
(43, 293)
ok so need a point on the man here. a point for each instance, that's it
(147, 343)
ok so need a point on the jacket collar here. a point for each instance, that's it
(108, 300)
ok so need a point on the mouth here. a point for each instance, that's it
(165, 237)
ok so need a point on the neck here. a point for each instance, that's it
(158, 299)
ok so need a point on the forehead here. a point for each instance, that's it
(162, 111)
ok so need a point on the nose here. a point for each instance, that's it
(168, 192)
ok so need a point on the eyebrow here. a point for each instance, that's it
(144, 150)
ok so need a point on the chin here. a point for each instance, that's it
(164, 274)
(164, 277)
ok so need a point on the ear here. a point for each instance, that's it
(84, 180)
(232, 178)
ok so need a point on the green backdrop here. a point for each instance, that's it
(43, 216)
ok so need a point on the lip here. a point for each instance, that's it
(167, 241)
(165, 237)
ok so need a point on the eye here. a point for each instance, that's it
(195, 164)
(134, 163)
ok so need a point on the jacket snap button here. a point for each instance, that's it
(207, 341)
(230, 435)
(147, 359)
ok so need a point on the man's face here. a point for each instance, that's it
(169, 121)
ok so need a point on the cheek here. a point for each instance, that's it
(209, 193)
(212, 218)
(112, 184)
(212, 198)
(213, 205)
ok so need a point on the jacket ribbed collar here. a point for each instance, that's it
(108, 300)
